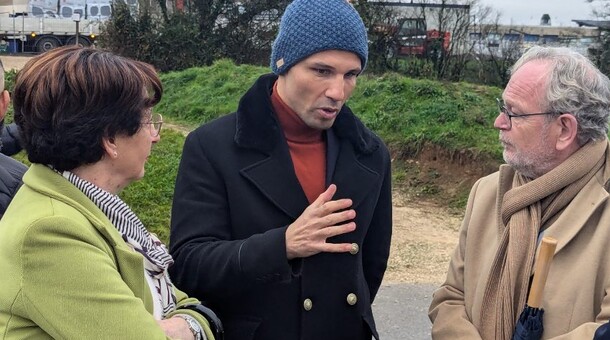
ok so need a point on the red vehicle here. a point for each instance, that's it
(411, 38)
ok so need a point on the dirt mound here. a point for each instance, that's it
(429, 197)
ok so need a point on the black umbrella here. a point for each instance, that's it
(529, 326)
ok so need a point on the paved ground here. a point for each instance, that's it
(401, 311)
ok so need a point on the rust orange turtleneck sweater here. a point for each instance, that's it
(307, 148)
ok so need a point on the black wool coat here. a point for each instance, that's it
(236, 193)
(11, 172)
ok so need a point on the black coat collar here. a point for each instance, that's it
(258, 128)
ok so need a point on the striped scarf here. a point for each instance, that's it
(156, 257)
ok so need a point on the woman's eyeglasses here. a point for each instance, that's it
(155, 122)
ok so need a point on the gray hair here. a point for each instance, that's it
(574, 86)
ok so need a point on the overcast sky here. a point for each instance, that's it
(529, 12)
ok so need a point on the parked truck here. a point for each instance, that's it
(410, 37)
(420, 28)
(41, 25)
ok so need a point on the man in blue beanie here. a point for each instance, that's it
(282, 211)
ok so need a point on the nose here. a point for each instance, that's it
(156, 138)
(502, 122)
(336, 89)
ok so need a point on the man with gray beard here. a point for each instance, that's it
(553, 123)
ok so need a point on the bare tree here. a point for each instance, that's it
(600, 52)
(246, 31)
(195, 33)
(381, 23)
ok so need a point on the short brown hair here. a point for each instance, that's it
(68, 99)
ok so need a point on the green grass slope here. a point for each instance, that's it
(406, 113)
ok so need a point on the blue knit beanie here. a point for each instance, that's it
(311, 26)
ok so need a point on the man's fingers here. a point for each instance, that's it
(333, 206)
(337, 218)
(327, 195)
(336, 247)
(338, 230)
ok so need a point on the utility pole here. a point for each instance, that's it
(76, 19)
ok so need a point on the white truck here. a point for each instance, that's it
(41, 25)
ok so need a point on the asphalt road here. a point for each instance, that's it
(401, 311)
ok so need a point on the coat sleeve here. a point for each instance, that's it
(209, 260)
(376, 246)
(447, 310)
(9, 135)
(183, 300)
(72, 289)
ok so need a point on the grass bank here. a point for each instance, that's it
(406, 113)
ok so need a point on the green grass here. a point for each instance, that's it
(151, 197)
(406, 113)
(197, 95)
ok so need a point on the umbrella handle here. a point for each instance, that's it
(545, 256)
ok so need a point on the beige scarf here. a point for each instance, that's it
(526, 207)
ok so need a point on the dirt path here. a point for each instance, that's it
(424, 236)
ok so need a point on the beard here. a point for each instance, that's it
(531, 162)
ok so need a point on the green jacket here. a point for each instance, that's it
(66, 273)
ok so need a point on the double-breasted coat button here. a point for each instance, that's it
(355, 249)
(352, 299)
(307, 304)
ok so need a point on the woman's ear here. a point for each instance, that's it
(110, 147)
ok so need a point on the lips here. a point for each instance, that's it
(505, 143)
(328, 113)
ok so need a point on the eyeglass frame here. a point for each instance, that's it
(154, 131)
(510, 115)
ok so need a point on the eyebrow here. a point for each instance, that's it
(323, 65)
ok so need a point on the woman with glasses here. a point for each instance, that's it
(76, 262)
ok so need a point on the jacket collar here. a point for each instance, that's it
(258, 128)
(42, 179)
(577, 214)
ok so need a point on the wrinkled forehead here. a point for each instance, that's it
(528, 83)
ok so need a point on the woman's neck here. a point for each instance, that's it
(100, 175)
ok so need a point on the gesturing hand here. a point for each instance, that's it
(320, 220)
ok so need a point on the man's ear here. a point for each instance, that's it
(5, 99)
(568, 132)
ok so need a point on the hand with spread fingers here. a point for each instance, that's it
(323, 219)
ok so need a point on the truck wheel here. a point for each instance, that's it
(46, 44)
(82, 42)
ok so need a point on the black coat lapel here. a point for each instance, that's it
(354, 180)
(257, 128)
(275, 178)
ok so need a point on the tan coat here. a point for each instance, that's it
(575, 297)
